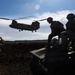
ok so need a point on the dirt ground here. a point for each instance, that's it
(15, 58)
(15, 68)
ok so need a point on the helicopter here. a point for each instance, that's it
(33, 27)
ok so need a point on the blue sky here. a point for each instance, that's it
(38, 9)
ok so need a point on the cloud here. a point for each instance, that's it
(32, 7)
(5, 36)
(13, 34)
(4, 22)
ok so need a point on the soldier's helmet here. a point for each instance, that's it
(49, 19)
(70, 16)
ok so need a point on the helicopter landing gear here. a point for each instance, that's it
(20, 30)
(35, 31)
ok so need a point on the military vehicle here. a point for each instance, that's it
(33, 27)
(53, 61)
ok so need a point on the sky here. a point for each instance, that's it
(37, 9)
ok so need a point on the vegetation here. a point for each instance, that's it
(15, 56)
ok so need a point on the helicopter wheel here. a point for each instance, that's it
(19, 30)
(35, 30)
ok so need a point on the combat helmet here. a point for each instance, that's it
(70, 16)
(49, 19)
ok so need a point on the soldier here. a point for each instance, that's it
(70, 31)
(2, 43)
(56, 28)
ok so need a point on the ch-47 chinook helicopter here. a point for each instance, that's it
(33, 27)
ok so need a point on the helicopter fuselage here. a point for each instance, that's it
(33, 27)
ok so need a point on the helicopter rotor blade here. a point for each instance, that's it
(42, 19)
(23, 17)
(5, 18)
(16, 18)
